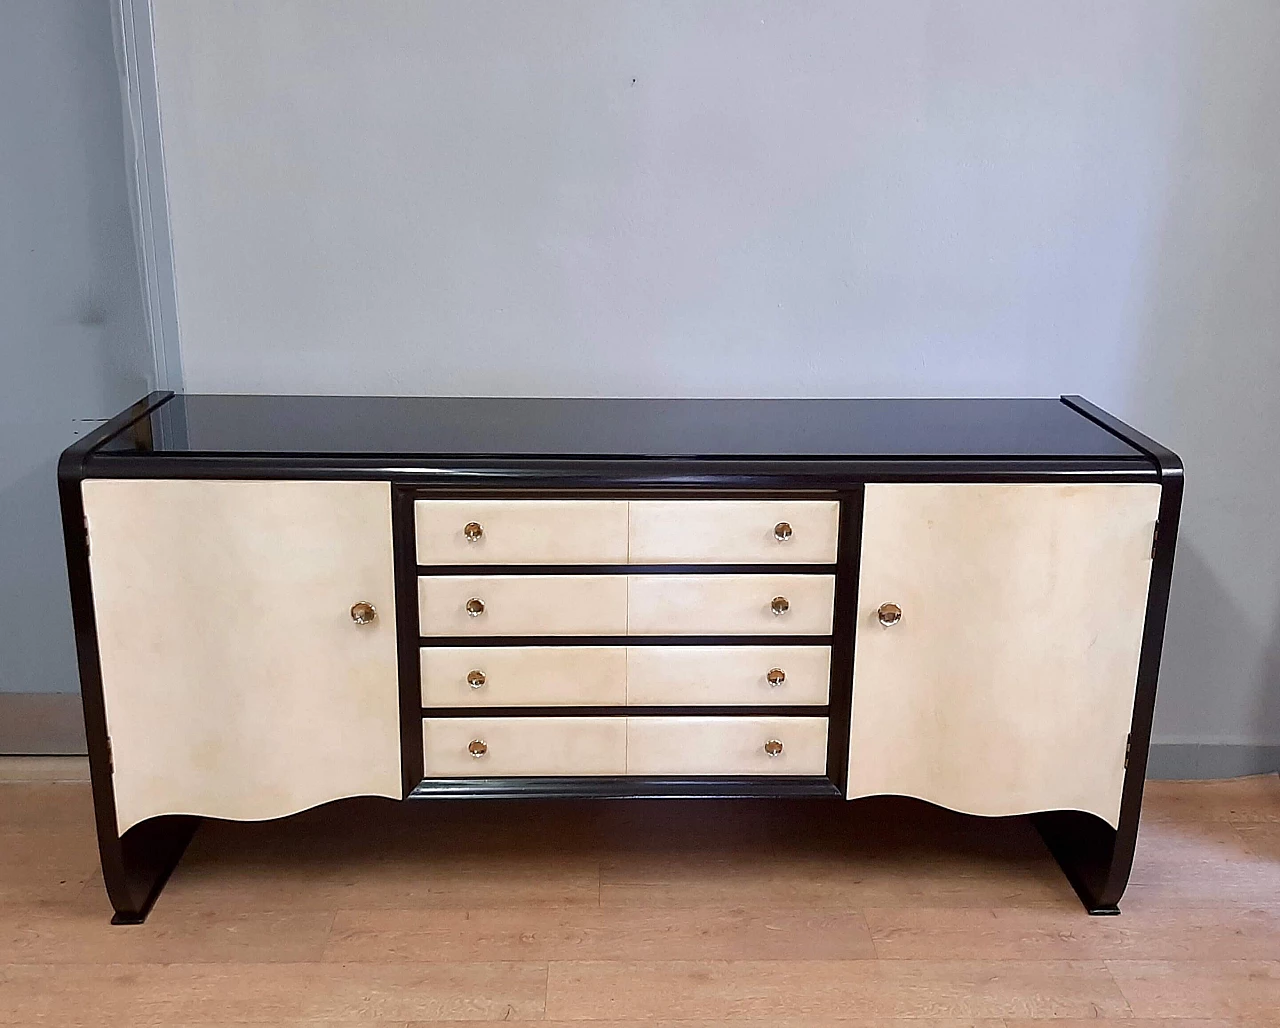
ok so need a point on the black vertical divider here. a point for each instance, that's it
(404, 549)
(844, 632)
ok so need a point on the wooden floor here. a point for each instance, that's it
(787, 914)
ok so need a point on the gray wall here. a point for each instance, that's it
(690, 197)
(1207, 324)
(72, 338)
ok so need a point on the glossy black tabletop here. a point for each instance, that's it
(392, 426)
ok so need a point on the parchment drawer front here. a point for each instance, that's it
(504, 746)
(730, 604)
(734, 531)
(484, 605)
(521, 531)
(756, 675)
(726, 745)
(515, 676)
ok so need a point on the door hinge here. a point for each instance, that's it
(1155, 538)
(111, 758)
(86, 534)
(1128, 746)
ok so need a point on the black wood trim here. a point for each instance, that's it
(600, 475)
(408, 652)
(453, 570)
(624, 787)
(669, 710)
(1148, 673)
(1097, 859)
(87, 444)
(1163, 457)
(702, 491)
(625, 640)
(135, 866)
(844, 635)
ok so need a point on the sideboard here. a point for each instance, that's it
(281, 601)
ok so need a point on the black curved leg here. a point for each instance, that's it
(136, 866)
(1095, 857)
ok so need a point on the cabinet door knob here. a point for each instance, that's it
(476, 678)
(889, 614)
(474, 531)
(477, 748)
(782, 531)
(475, 607)
(776, 676)
(773, 747)
(780, 605)
(363, 613)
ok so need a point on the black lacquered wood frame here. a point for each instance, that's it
(837, 709)
(1095, 858)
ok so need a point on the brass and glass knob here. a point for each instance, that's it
(779, 605)
(776, 676)
(773, 747)
(782, 531)
(474, 607)
(476, 678)
(363, 612)
(889, 614)
(474, 531)
(477, 748)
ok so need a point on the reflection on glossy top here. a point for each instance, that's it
(633, 428)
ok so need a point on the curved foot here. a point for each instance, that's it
(136, 867)
(1092, 855)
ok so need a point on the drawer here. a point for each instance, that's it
(711, 675)
(730, 604)
(516, 676)
(504, 746)
(521, 531)
(726, 745)
(523, 605)
(734, 531)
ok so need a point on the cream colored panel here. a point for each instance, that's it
(733, 531)
(236, 683)
(726, 745)
(524, 605)
(522, 531)
(513, 676)
(675, 675)
(1008, 684)
(524, 746)
(730, 604)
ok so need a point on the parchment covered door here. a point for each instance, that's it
(238, 680)
(1006, 683)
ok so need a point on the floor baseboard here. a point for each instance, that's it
(41, 724)
(1185, 760)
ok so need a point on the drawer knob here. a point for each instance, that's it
(782, 531)
(475, 607)
(475, 678)
(889, 614)
(779, 605)
(363, 613)
(776, 676)
(477, 748)
(474, 531)
(773, 747)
